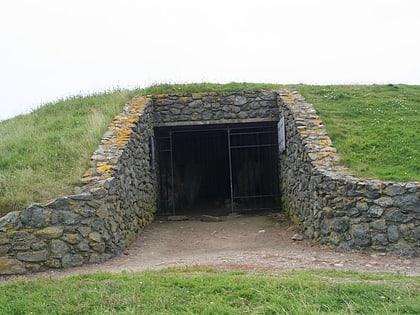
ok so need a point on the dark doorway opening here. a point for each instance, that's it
(217, 169)
(201, 169)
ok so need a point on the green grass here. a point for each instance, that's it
(43, 154)
(208, 291)
(376, 129)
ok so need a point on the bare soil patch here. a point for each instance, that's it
(254, 243)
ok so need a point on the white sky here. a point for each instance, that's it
(51, 49)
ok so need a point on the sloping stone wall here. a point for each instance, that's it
(96, 223)
(332, 206)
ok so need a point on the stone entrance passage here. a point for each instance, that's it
(173, 154)
(218, 169)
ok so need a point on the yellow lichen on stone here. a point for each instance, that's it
(137, 104)
(117, 119)
(122, 136)
(325, 142)
(120, 142)
(107, 143)
(289, 98)
(88, 173)
(105, 169)
(131, 121)
(123, 133)
(303, 132)
(316, 122)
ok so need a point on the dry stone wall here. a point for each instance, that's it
(117, 200)
(332, 206)
(118, 196)
(215, 108)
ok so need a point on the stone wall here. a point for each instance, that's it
(332, 206)
(215, 108)
(118, 196)
(117, 200)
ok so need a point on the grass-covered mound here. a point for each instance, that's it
(43, 154)
(376, 129)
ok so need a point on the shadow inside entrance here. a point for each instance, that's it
(217, 170)
(206, 208)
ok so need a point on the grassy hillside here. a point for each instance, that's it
(208, 291)
(376, 129)
(43, 154)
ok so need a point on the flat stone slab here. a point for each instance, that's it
(209, 218)
(177, 218)
(297, 237)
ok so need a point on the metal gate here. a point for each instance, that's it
(237, 162)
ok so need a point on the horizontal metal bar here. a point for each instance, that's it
(256, 196)
(254, 146)
(254, 133)
(220, 122)
(175, 131)
(254, 126)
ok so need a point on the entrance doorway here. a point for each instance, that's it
(217, 169)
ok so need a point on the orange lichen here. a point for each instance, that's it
(118, 135)
(316, 122)
(121, 142)
(121, 137)
(105, 169)
(137, 104)
(325, 142)
(288, 98)
(107, 143)
(123, 133)
(88, 173)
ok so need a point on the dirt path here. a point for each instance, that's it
(240, 242)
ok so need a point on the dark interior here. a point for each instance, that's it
(202, 168)
(201, 164)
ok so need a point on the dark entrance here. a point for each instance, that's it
(217, 169)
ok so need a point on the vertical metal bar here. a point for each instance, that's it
(259, 201)
(277, 151)
(230, 171)
(172, 172)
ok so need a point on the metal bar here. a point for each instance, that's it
(277, 165)
(257, 196)
(268, 124)
(253, 133)
(172, 172)
(255, 143)
(199, 130)
(230, 171)
(254, 146)
(179, 129)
